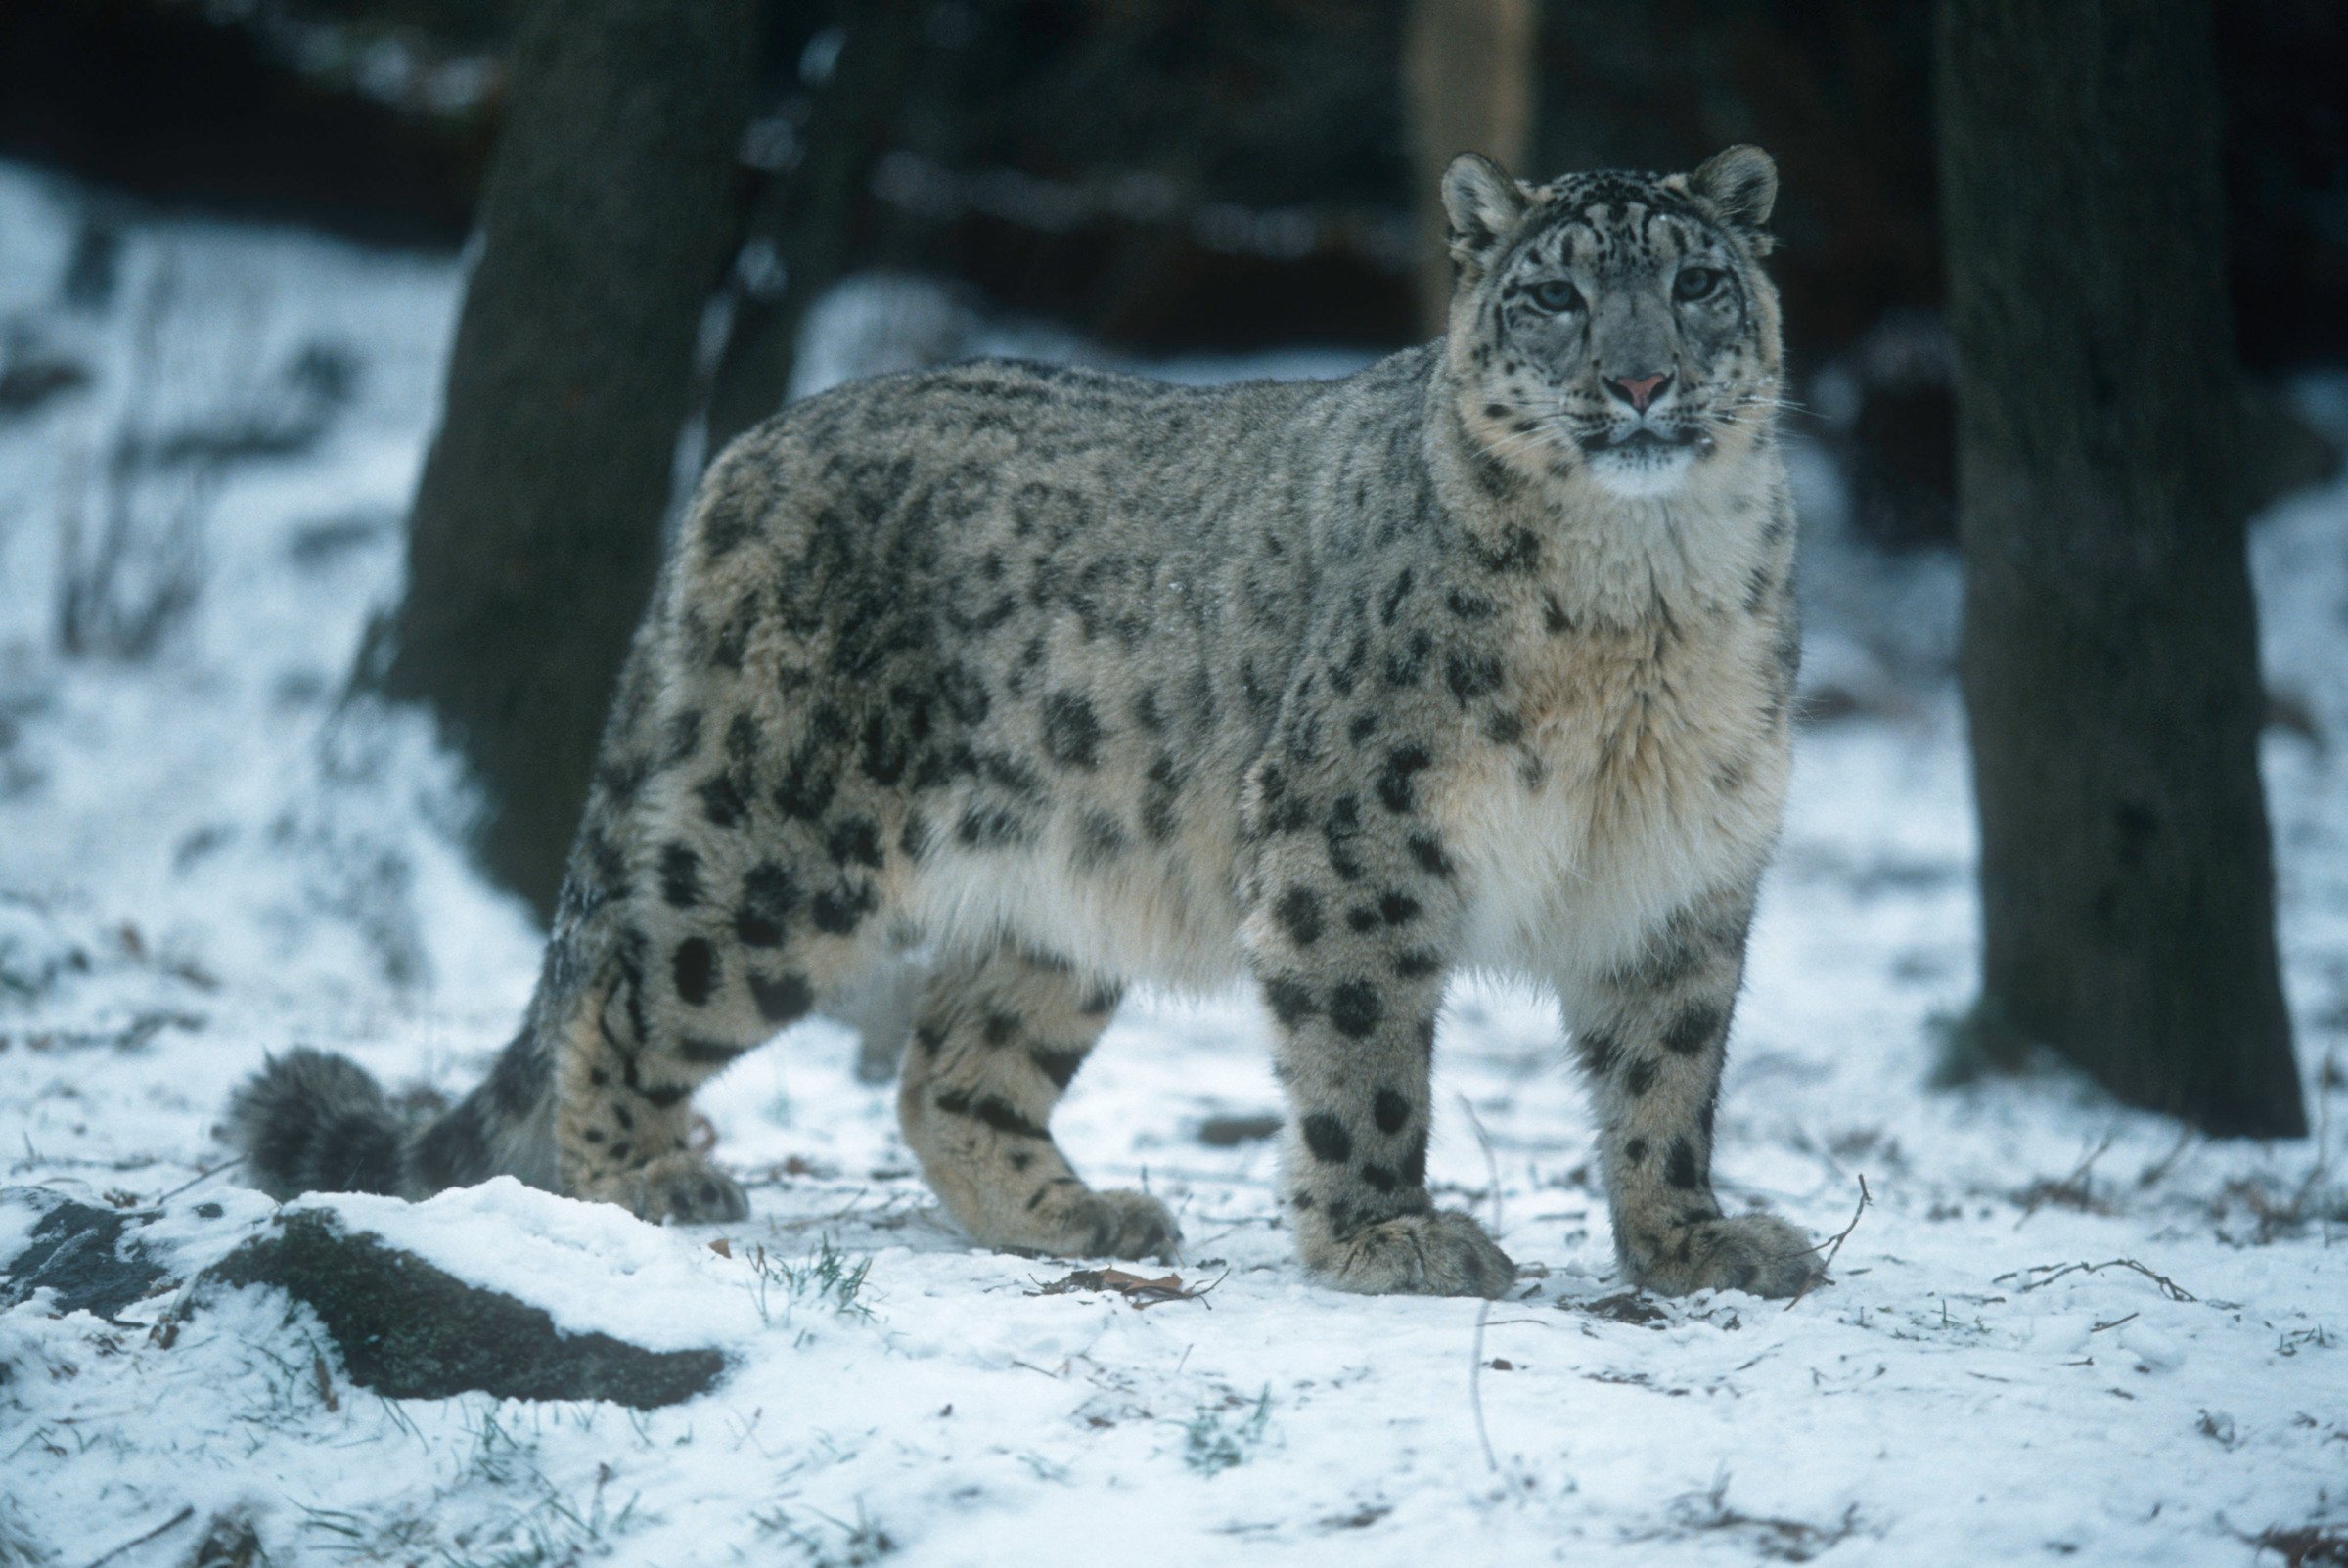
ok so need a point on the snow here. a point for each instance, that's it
(2058, 1331)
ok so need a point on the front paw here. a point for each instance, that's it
(1441, 1254)
(1756, 1252)
(1073, 1220)
(675, 1186)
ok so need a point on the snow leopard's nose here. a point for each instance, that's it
(1638, 390)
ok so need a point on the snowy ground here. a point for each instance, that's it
(203, 858)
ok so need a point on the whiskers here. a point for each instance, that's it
(1551, 435)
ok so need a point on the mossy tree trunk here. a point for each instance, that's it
(535, 533)
(1470, 79)
(2110, 662)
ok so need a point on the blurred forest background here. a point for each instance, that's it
(1196, 174)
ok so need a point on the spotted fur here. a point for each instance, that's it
(1470, 660)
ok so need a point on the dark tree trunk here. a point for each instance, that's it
(2111, 653)
(536, 528)
(809, 214)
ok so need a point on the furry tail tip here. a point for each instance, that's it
(311, 1122)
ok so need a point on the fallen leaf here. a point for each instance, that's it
(1133, 1287)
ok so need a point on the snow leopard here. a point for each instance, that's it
(1479, 659)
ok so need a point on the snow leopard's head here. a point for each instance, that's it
(1615, 325)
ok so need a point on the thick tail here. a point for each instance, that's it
(310, 1122)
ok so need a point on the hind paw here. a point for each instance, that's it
(1072, 1220)
(675, 1186)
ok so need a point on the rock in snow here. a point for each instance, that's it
(410, 1330)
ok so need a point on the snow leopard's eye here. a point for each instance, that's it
(1556, 296)
(1696, 282)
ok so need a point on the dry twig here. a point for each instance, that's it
(1832, 1246)
(2054, 1272)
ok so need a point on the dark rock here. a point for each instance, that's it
(78, 1252)
(410, 1330)
(1229, 1132)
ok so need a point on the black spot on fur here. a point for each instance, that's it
(1057, 1065)
(768, 898)
(722, 801)
(1299, 912)
(1694, 1030)
(1517, 552)
(665, 1096)
(992, 1109)
(681, 877)
(992, 827)
(1398, 908)
(1071, 730)
(1413, 1163)
(1342, 827)
(839, 911)
(964, 693)
(809, 780)
(1634, 1151)
(854, 841)
(1328, 1138)
(696, 968)
(1639, 1078)
(1680, 1171)
(1405, 665)
(1380, 1177)
(1146, 712)
(1396, 593)
(782, 998)
(1428, 853)
(998, 1027)
(1099, 839)
(1601, 1052)
(1160, 789)
(706, 1053)
(1354, 1010)
(1361, 726)
(1390, 1110)
(1291, 999)
(1394, 781)
(1415, 963)
(1472, 674)
(913, 842)
(1470, 607)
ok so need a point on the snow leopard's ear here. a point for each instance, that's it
(1481, 207)
(1740, 185)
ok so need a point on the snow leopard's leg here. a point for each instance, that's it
(1652, 1036)
(1348, 939)
(736, 871)
(996, 1041)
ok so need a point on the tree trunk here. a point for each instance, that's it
(1468, 70)
(535, 534)
(2111, 657)
(809, 214)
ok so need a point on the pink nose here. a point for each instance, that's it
(1640, 389)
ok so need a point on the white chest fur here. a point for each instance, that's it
(1651, 770)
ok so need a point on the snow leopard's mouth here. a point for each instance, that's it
(1643, 440)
